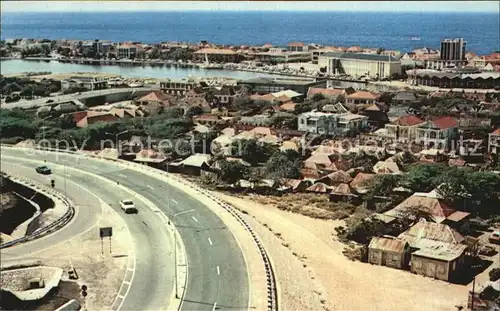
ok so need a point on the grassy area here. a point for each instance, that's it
(313, 205)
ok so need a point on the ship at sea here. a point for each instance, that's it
(415, 39)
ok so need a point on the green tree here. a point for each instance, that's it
(317, 97)
(383, 184)
(303, 107)
(16, 123)
(283, 165)
(252, 151)
(242, 103)
(422, 177)
(232, 171)
(194, 111)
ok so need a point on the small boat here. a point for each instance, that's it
(415, 38)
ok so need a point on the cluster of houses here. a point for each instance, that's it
(432, 248)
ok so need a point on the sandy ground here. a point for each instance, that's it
(314, 275)
(103, 274)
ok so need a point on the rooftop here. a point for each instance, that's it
(426, 230)
(408, 121)
(215, 51)
(388, 244)
(444, 123)
(196, 160)
(368, 57)
(287, 93)
(441, 251)
(364, 95)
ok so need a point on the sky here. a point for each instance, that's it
(357, 6)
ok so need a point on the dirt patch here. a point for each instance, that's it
(314, 274)
(53, 300)
(101, 273)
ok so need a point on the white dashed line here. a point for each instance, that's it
(218, 270)
(131, 269)
(194, 218)
(150, 187)
(67, 175)
(121, 175)
(126, 282)
(175, 201)
(215, 306)
(210, 241)
(121, 296)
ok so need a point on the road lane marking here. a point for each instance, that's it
(218, 270)
(123, 176)
(215, 306)
(121, 296)
(210, 241)
(194, 218)
(126, 282)
(150, 187)
(130, 269)
(175, 201)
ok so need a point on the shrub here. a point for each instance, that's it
(494, 274)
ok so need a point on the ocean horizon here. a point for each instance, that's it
(388, 30)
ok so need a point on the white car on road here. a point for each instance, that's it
(128, 206)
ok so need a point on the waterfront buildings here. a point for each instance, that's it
(126, 51)
(452, 55)
(281, 55)
(450, 79)
(356, 64)
(315, 54)
(217, 55)
(88, 83)
(263, 85)
(332, 123)
(453, 49)
(297, 47)
(178, 87)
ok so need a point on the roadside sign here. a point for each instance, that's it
(105, 231)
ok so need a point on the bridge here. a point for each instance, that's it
(111, 95)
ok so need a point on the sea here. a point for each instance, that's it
(385, 30)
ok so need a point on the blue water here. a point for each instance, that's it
(385, 30)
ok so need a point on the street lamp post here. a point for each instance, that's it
(175, 251)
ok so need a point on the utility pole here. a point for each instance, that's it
(473, 293)
(175, 259)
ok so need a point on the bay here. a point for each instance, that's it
(18, 66)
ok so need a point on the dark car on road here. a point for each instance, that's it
(43, 170)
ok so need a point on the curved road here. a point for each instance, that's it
(217, 275)
(152, 269)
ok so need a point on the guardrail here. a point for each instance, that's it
(56, 225)
(272, 296)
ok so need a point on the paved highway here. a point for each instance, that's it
(26, 104)
(151, 271)
(217, 275)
